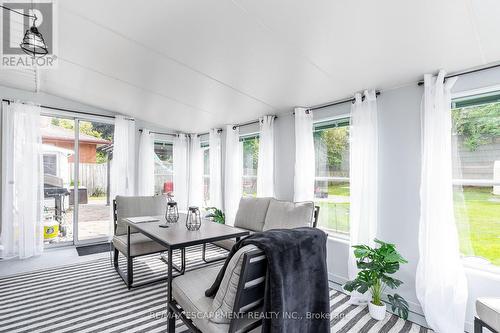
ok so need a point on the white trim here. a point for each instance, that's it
(474, 92)
(163, 138)
(326, 178)
(332, 118)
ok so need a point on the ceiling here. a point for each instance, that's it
(195, 64)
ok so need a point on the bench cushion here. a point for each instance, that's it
(288, 215)
(488, 310)
(252, 213)
(222, 306)
(137, 206)
(189, 292)
(139, 245)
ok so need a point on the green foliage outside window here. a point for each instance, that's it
(477, 124)
(336, 141)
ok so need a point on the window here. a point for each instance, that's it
(50, 164)
(164, 167)
(250, 161)
(476, 174)
(331, 145)
(206, 172)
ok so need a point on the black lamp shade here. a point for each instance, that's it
(33, 43)
(193, 219)
(172, 213)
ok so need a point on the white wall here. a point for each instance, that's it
(399, 184)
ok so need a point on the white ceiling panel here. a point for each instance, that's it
(192, 64)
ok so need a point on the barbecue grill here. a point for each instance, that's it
(53, 188)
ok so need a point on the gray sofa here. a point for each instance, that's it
(261, 214)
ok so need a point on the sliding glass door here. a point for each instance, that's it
(77, 154)
(58, 146)
(90, 193)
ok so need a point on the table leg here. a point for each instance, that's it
(170, 312)
(130, 262)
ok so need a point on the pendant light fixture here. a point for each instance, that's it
(33, 43)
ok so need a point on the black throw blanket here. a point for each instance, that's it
(297, 294)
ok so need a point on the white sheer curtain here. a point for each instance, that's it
(265, 168)
(196, 172)
(22, 181)
(180, 156)
(233, 173)
(146, 177)
(215, 168)
(304, 156)
(123, 162)
(363, 174)
(441, 284)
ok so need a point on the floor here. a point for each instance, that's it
(50, 258)
(84, 294)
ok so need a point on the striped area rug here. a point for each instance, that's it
(91, 297)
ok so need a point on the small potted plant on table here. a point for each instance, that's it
(376, 266)
(215, 214)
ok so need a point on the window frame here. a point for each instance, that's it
(242, 138)
(465, 95)
(205, 146)
(160, 138)
(336, 120)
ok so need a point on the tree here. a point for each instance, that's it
(336, 141)
(477, 124)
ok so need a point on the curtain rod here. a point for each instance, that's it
(162, 133)
(219, 130)
(68, 110)
(249, 123)
(465, 72)
(337, 102)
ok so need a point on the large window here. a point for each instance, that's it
(164, 167)
(250, 161)
(476, 174)
(331, 145)
(206, 172)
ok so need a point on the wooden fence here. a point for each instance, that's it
(93, 176)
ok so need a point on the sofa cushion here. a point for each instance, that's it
(288, 215)
(222, 306)
(488, 310)
(189, 292)
(139, 244)
(137, 206)
(251, 213)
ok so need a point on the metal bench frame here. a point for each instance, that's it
(128, 277)
(479, 325)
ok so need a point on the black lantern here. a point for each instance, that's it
(193, 219)
(33, 42)
(172, 213)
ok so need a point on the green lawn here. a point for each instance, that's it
(477, 213)
(478, 219)
(335, 216)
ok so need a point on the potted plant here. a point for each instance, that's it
(376, 266)
(215, 214)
